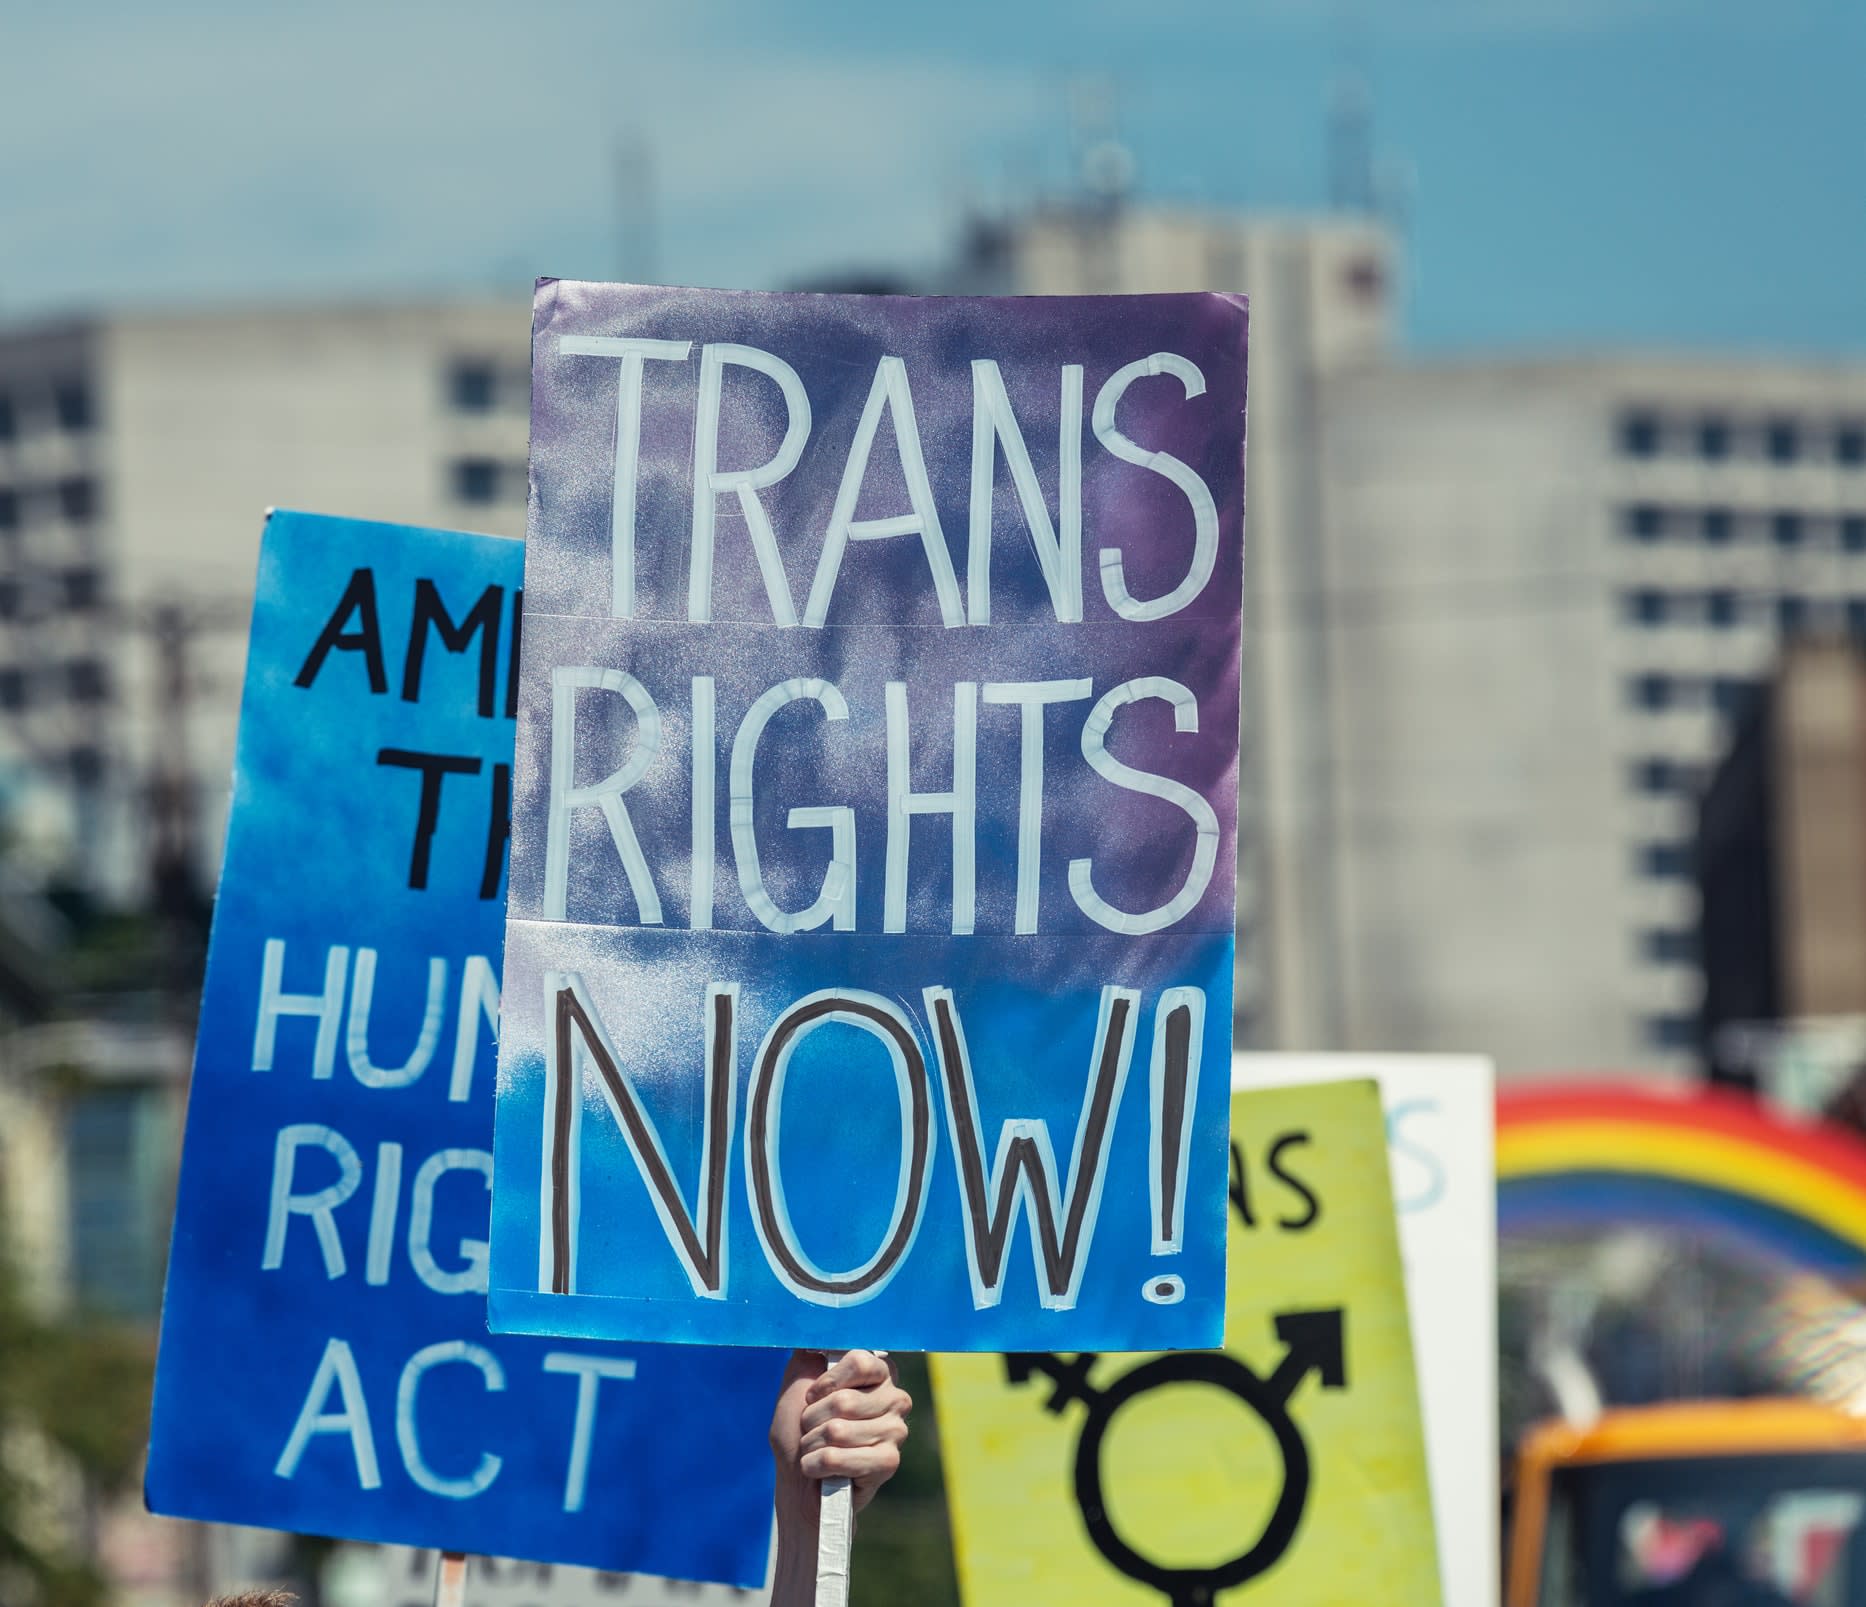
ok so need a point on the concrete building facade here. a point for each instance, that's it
(138, 454)
(1552, 587)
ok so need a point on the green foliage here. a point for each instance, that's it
(903, 1547)
(75, 1391)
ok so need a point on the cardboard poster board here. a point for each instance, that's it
(324, 1362)
(1440, 1114)
(1288, 1468)
(870, 944)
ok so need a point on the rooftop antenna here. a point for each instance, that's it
(637, 244)
(1104, 164)
(1350, 144)
(1351, 186)
(1104, 178)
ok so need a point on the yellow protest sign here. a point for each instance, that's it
(1287, 1468)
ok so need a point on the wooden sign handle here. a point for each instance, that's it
(835, 1530)
(450, 1580)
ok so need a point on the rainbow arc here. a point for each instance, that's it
(1709, 1163)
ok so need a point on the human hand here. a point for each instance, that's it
(844, 1421)
(848, 1421)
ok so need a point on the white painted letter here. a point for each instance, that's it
(471, 1278)
(1204, 510)
(1059, 556)
(889, 392)
(319, 1205)
(835, 899)
(590, 1371)
(275, 1002)
(1031, 696)
(628, 447)
(709, 481)
(1204, 821)
(606, 795)
(383, 1206)
(479, 996)
(705, 760)
(418, 1470)
(362, 994)
(961, 803)
(337, 1367)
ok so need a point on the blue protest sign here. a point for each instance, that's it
(870, 943)
(324, 1362)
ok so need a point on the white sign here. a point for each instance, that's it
(1441, 1145)
(397, 1576)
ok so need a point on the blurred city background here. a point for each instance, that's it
(1555, 682)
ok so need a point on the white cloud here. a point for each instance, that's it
(227, 150)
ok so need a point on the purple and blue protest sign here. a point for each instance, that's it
(869, 949)
(325, 1365)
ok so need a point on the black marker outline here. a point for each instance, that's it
(767, 1205)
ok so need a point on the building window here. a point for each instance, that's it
(1856, 618)
(83, 588)
(9, 510)
(9, 599)
(1781, 439)
(1645, 607)
(1719, 526)
(1655, 691)
(71, 402)
(1850, 445)
(473, 386)
(1791, 614)
(86, 764)
(1645, 522)
(77, 499)
(12, 688)
(1669, 947)
(1640, 434)
(1672, 1033)
(476, 480)
(84, 680)
(1786, 529)
(1713, 439)
(1720, 608)
(9, 423)
(1665, 859)
(1661, 776)
(117, 1143)
(1730, 695)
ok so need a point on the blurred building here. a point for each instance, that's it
(138, 454)
(1781, 863)
(1551, 589)
(1323, 306)
(1501, 614)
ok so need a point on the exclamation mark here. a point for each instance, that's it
(1173, 1090)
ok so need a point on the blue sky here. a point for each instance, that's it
(1671, 172)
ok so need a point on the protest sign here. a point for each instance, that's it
(324, 1362)
(1287, 1468)
(1440, 1147)
(867, 920)
(398, 1577)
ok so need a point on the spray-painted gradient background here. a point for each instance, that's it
(1028, 1003)
(318, 854)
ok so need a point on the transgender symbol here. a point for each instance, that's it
(1312, 1341)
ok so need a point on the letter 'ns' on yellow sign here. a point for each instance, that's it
(1288, 1468)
